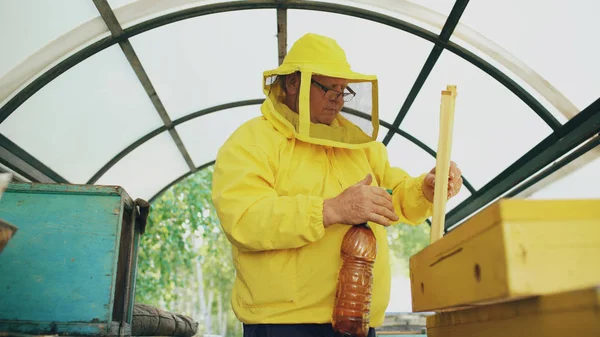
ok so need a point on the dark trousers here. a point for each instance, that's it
(293, 330)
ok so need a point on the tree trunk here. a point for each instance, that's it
(209, 304)
(200, 283)
(193, 296)
(222, 317)
(219, 310)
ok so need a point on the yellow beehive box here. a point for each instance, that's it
(575, 313)
(512, 249)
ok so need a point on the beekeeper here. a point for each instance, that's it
(288, 184)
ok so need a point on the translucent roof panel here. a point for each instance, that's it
(209, 60)
(406, 155)
(581, 184)
(442, 7)
(114, 4)
(40, 22)
(84, 117)
(409, 157)
(87, 115)
(4, 168)
(492, 127)
(556, 40)
(203, 136)
(147, 169)
(427, 14)
(396, 62)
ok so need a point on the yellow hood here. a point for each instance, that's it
(311, 55)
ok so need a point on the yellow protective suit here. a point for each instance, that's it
(270, 180)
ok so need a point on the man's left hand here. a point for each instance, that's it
(454, 182)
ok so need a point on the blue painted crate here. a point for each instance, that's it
(70, 268)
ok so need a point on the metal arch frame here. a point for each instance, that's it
(444, 37)
(116, 30)
(409, 137)
(118, 35)
(81, 55)
(176, 181)
(26, 164)
(222, 107)
(121, 36)
(164, 128)
(102, 44)
(578, 130)
(94, 29)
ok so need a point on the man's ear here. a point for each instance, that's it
(292, 83)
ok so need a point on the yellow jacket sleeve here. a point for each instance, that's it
(253, 216)
(409, 201)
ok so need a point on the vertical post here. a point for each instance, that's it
(281, 31)
(442, 165)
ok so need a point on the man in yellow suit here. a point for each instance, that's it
(289, 184)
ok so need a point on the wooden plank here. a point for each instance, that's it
(510, 250)
(35, 329)
(575, 313)
(442, 165)
(61, 266)
(72, 189)
(400, 333)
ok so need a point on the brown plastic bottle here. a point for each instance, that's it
(351, 312)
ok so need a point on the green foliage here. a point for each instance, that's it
(183, 232)
(183, 229)
(405, 241)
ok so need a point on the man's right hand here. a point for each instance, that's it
(360, 203)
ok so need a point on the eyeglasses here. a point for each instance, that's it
(333, 95)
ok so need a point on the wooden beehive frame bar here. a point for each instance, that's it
(442, 165)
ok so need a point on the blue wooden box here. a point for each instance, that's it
(70, 268)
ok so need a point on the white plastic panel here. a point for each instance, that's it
(492, 127)
(396, 57)
(147, 169)
(408, 156)
(83, 118)
(203, 136)
(581, 184)
(554, 38)
(209, 60)
(114, 4)
(415, 161)
(157, 7)
(443, 7)
(28, 25)
(15, 174)
(429, 14)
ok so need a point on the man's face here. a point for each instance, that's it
(325, 107)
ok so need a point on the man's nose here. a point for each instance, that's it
(338, 98)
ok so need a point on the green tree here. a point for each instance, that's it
(185, 263)
(405, 241)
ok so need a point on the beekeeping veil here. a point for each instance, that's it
(358, 123)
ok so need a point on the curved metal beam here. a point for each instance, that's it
(19, 160)
(94, 29)
(434, 55)
(462, 32)
(217, 108)
(575, 132)
(159, 193)
(66, 64)
(162, 129)
(409, 137)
